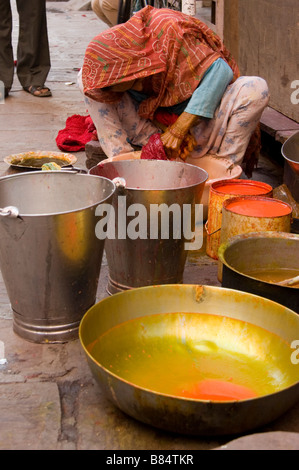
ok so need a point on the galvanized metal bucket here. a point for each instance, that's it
(149, 259)
(50, 257)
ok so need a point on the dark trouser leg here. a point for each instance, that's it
(6, 52)
(33, 47)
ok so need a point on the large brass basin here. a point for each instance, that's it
(133, 339)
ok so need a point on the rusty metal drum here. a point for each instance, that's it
(219, 192)
(253, 214)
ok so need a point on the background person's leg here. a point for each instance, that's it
(6, 50)
(106, 10)
(110, 10)
(33, 47)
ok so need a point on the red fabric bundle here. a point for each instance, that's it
(165, 118)
(154, 149)
(79, 131)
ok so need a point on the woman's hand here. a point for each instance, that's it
(171, 143)
(175, 134)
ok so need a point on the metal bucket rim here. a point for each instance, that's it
(204, 173)
(289, 141)
(174, 397)
(254, 235)
(51, 214)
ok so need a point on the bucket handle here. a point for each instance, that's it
(74, 169)
(207, 230)
(9, 211)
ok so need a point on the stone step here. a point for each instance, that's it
(277, 125)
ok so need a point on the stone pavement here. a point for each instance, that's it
(48, 398)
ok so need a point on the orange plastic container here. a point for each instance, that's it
(221, 191)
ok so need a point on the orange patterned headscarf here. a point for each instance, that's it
(172, 48)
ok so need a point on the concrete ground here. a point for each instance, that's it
(49, 399)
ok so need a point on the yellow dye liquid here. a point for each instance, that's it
(274, 275)
(198, 356)
(38, 162)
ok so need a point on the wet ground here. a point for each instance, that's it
(49, 399)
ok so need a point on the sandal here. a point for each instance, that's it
(39, 91)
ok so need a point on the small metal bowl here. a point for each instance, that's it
(35, 159)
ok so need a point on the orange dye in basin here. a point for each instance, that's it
(258, 207)
(243, 188)
(216, 390)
